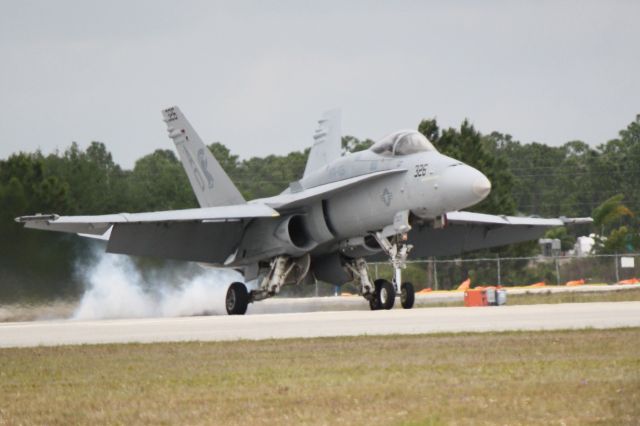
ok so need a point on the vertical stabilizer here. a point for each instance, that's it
(327, 142)
(210, 183)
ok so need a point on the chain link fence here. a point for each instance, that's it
(441, 274)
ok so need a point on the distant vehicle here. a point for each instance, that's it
(400, 196)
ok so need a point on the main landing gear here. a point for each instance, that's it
(237, 299)
(280, 271)
(382, 294)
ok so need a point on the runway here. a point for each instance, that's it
(312, 304)
(323, 324)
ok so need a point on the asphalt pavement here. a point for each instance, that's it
(323, 324)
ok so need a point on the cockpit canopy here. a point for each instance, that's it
(404, 142)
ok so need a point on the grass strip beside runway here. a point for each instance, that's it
(506, 378)
(549, 297)
(625, 295)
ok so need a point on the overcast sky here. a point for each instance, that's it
(257, 75)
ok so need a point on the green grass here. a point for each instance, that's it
(632, 294)
(564, 377)
(547, 297)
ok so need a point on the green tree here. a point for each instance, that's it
(158, 182)
(613, 236)
(228, 161)
(471, 147)
(567, 240)
(353, 144)
(610, 212)
(95, 184)
(13, 200)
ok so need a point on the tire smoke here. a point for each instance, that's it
(116, 288)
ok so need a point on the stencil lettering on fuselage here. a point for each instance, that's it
(386, 196)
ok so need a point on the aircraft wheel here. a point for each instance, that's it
(407, 295)
(237, 299)
(374, 303)
(385, 294)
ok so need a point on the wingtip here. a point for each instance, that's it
(575, 220)
(37, 218)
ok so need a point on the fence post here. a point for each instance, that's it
(615, 259)
(499, 275)
(557, 271)
(435, 274)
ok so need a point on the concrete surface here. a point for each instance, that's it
(318, 324)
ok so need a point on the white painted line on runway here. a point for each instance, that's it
(322, 324)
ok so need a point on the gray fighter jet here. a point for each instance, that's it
(397, 198)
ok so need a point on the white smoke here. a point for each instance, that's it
(117, 289)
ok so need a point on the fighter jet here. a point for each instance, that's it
(401, 197)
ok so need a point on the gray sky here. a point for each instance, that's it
(257, 75)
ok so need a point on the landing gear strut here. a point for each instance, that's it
(282, 270)
(382, 294)
(358, 269)
(397, 249)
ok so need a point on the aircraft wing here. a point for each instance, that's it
(467, 231)
(203, 235)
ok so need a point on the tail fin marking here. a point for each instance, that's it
(211, 185)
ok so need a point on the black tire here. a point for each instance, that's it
(237, 299)
(385, 294)
(407, 295)
(374, 303)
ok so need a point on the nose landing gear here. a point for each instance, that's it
(397, 249)
(407, 295)
(382, 294)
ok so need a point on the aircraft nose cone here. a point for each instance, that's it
(481, 187)
(462, 186)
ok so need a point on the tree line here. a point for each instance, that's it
(574, 179)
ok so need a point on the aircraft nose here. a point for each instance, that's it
(481, 187)
(463, 186)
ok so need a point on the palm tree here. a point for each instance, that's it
(610, 211)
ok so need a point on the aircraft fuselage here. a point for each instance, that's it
(427, 184)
